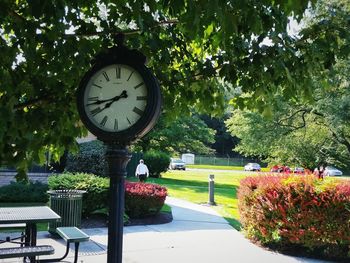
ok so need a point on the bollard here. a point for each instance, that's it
(211, 190)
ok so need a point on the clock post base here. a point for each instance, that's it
(117, 158)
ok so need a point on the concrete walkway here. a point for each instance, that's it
(196, 235)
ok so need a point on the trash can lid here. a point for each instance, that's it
(66, 192)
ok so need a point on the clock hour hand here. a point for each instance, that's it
(116, 98)
(97, 102)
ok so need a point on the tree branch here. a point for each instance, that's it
(33, 102)
(45, 98)
(17, 17)
(304, 111)
(125, 32)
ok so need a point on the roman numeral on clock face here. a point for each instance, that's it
(105, 75)
(98, 86)
(137, 111)
(117, 72)
(95, 111)
(130, 75)
(104, 120)
(93, 98)
(138, 85)
(115, 124)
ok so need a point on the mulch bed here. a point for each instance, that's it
(97, 221)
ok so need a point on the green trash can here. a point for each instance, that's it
(67, 204)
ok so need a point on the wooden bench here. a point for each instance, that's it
(16, 252)
(70, 235)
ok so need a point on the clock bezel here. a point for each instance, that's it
(142, 125)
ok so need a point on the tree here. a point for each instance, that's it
(305, 131)
(224, 142)
(299, 133)
(46, 46)
(277, 142)
(183, 135)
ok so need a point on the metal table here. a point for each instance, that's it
(30, 215)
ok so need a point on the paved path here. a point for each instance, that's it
(196, 235)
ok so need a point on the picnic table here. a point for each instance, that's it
(30, 216)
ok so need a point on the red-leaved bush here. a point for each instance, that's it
(143, 199)
(296, 210)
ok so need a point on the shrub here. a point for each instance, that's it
(143, 199)
(89, 159)
(96, 189)
(24, 193)
(157, 162)
(296, 210)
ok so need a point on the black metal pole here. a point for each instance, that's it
(117, 158)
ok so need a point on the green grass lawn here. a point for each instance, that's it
(193, 186)
(221, 167)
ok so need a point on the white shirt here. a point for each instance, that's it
(141, 169)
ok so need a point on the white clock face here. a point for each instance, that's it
(115, 98)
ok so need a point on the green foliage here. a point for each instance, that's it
(157, 162)
(24, 193)
(301, 133)
(315, 127)
(183, 135)
(96, 196)
(223, 142)
(89, 159)
(47, 46)
(296, 210)
(290, 142)
(142, 199)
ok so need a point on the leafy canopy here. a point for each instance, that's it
(314, 129)
(305, 134)
(46, 46)
(183, 135)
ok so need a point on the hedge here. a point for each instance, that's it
(141, 199)
(89, 159)
(96, 188)
(297, 210)
(157, 162)
(24, 193)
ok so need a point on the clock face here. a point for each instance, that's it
(115, 98)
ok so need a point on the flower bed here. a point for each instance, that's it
(297, 210)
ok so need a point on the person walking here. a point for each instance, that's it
(142, 171)
(321, 172)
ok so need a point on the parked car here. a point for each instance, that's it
(332, 171)
(252, 167)
(177, 164)
(280, 169)
(299, 170)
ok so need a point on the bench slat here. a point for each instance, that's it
(72, 234)
(14, 252)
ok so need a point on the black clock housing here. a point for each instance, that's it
(135, 60)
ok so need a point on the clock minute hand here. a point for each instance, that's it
(99, 102)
